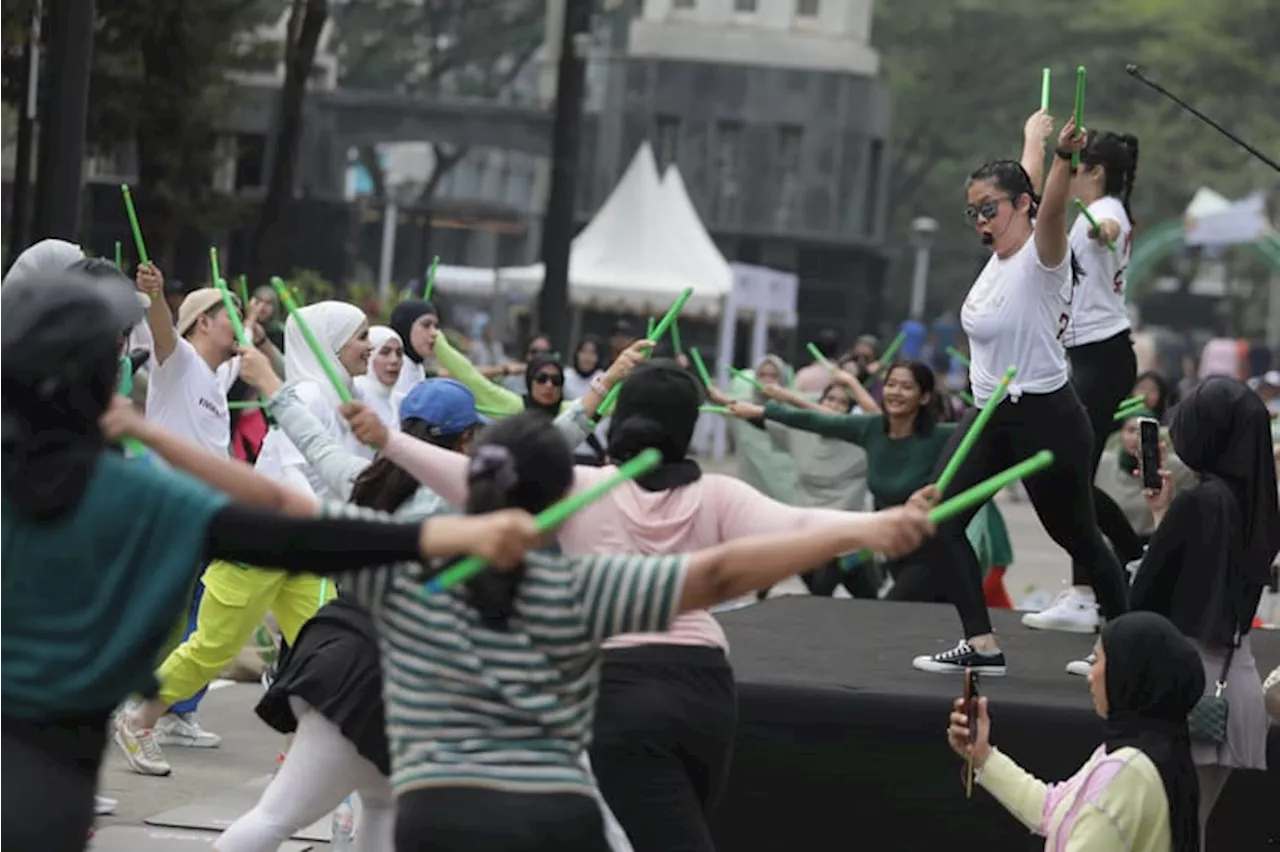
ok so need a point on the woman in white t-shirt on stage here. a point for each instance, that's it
(1099, 345)
(1015, 315)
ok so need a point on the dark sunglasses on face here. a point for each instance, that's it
(987, 210)
(549, 379)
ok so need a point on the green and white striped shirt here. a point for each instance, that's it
(470, 706)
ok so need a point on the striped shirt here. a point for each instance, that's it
(513, 710)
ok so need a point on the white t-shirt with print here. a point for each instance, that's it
(1099, 311)
(1014, 316)
(189, 399)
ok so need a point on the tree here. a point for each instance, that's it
(159, 82)
(306, 24)
(435, 48)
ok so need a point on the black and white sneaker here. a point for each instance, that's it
(963, 656)
(1081, 667)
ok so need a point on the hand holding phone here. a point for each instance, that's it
(970, 711)
(1149, 453)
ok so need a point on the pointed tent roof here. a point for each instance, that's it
(696, 244)
(633, 255)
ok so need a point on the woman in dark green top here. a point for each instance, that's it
(903, 439)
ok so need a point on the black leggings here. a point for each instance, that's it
(665, 721)
(1062, 496)
(50, 772)
(1103, 374)
(862, 581)
(469, 819)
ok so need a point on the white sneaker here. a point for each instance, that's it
(1081, 667)
(140, 749)
(183, 729)
(1072, 611)
(103, 806)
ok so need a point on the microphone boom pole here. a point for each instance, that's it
(1136, 72)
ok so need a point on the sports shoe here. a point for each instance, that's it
(140, 749)
(1072, 611)
(963, 656)
(103, 806)
(1081, 667)
(183, 729)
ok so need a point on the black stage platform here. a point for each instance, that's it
(841, 743)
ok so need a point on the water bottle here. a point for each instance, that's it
(343, 827)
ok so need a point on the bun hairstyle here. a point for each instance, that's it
(1117, 153)
(521, 462)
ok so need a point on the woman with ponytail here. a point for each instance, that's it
(667, 706)
(1100, 347)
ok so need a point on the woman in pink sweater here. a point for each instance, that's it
(667, 707)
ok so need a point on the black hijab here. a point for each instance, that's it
(658, 407)
(1222, 431)
(403, 316)
(1154, 677)
(58, 373)
(536, 365)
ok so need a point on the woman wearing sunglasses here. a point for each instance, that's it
(1015, 315)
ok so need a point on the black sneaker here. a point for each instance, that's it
(961, 657)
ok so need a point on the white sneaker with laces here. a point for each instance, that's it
(140, 749)
(1081, 667)
(183, 729)
(1072, 611)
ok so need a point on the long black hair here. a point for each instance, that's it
(931, 412)
(1117, 153)
(384, 485)
(521, 462)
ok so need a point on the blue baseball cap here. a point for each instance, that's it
(446, 405)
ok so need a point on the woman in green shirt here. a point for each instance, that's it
(903, 439)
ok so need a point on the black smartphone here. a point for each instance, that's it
(1149, 452)
(971, 712)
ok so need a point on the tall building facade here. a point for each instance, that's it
(775, 114)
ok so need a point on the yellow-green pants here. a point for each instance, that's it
(235, 601)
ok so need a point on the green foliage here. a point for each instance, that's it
(310, 287)
(965, 75)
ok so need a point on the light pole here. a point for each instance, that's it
(923, 230)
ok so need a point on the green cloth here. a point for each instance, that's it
(89, 598)
(491, 398)
(896, 467)
(990, 538)
(762, 463)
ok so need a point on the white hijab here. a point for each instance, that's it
(333, 324)
(372, 391)
(47, 257)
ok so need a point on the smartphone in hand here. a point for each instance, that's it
(971, 695)
(1149, 453)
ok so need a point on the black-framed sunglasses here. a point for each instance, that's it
(549, 379)
(987, 210)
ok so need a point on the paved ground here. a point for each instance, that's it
(249, 747)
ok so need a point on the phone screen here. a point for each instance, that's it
(1149, 452)
(971, 711)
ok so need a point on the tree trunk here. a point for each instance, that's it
(306, 22)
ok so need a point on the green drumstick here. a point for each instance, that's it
(431, 279)
(1044, 90)
(746, 377)
(648, 330)
(243, 283)
(713, 409)
(1079, 112)
(610, 400)
(820, 358)
(325, 359)
(119, 256)
(987, 489)
(227, 301)
(675, 339)
(958, 355)
(551, 517)
(133, 224)
(971, 437)
(968, 400)
(696, 357)
(1093, 223)
(247, 403)
(887, 358)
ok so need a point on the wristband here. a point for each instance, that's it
(1065, 155)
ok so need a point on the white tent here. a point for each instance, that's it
(635, 256)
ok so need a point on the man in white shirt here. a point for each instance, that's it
(192, 367)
